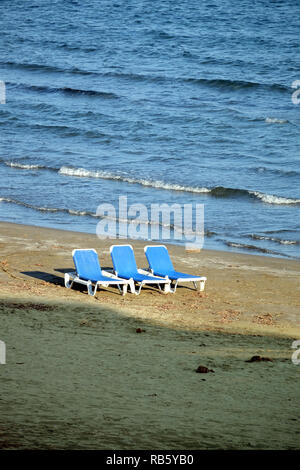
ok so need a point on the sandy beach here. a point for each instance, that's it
(78, 375)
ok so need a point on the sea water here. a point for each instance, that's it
(164, 102)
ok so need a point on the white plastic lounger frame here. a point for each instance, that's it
(193, 279)
(140, 284)
(72, 277)
(167, 285)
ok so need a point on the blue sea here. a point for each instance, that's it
(186, 102)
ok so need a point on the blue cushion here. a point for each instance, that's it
(161, 264)
(87, 265)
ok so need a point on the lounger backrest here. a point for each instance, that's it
(158, 259)
(123, 260)
(87, 264)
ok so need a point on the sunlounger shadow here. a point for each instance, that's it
(43, 276)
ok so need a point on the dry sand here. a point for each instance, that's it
(79, 376)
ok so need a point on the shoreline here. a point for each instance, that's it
(78, 376)
(157, 242)
(265, 253)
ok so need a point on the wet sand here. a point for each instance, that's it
(79, 376)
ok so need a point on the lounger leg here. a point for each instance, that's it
(120, 289)
(90, 288)
(175, 287)
(68, 284)
(195, 285)
(202, 286)
(167, 288)
(140, 286)
(132, 286)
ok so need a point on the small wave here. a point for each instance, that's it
(65, 90)
(178, 230)
(31, 66)
(282, 230)
(222, 192)
(275, 171)
(235, 84)
(66, 131)
(135, 77)
(272, 199)
(270, 120)
(24, 166)
(275, 239)
(221, 83)
(47, 209)
(45, 67)
(74, 91)
(245, 246)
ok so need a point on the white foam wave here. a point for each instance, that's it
(272, 199)
(274, 239)
(83, 173)
(251, 247)
(286, 242)
(270, 120)
(22, 166)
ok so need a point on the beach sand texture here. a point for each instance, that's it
(116, 372)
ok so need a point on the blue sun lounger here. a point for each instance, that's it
(160, 264)
(125, 266)
(89, 272)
